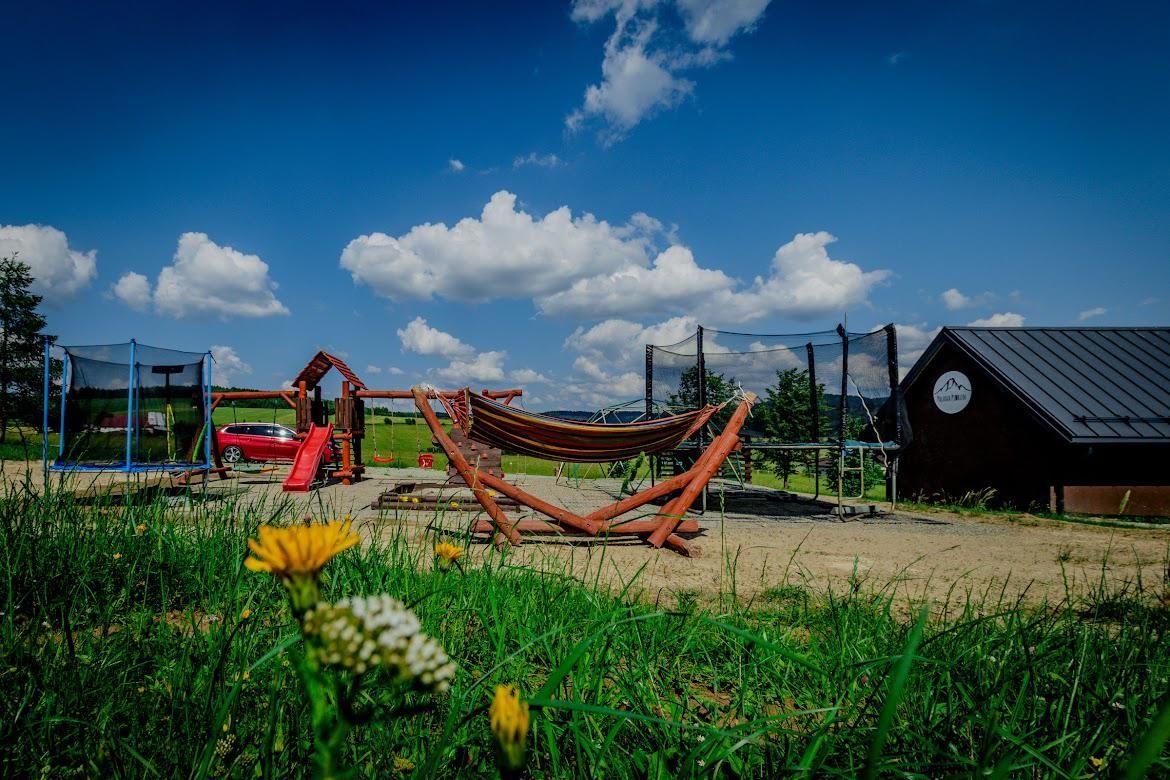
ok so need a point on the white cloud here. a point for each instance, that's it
(607, 385)
(1005, 319)
(484, 367)
(527, 376)
(506, 253)
(372, 369)
(228, 367)
(585, 267)
(59, 272)
(618, 344)
(465, 366)
(912, 342)
(674, 281)
(610, 364)
(955, 300)
(133, 289)
(645, 55)
(539, 160)
(422, 339)
(205, 279)
(455, 165)
(1088, 314)
(897, 57)
(804, 282)
(717, 21)
(395, 371)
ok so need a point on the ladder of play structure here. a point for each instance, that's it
(481, 457)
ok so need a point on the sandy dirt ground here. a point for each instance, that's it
(759, 540)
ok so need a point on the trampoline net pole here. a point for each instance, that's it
(844, 400)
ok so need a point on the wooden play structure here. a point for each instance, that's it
(487, 420)
(313, 426)
(312, 423)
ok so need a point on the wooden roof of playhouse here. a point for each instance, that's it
(319, 366)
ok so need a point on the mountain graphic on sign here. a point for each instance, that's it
(953, 384)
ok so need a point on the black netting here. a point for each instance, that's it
(802, 373)
(827, 360)
(670, 372)
(118, 416)
(168, 413)
(871, 387)
(97, 404)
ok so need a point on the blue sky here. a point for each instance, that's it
(270, 180)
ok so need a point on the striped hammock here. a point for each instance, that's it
(551, 438)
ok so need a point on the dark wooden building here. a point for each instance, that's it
(1064, 419)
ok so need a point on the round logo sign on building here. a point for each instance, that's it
(952, 392)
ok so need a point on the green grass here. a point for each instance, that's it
(804, 483)
(122, 653)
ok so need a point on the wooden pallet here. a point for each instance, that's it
(456, 492)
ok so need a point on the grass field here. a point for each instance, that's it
(123, 653)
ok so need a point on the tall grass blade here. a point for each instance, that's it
(893, 696)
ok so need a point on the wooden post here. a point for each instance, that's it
(563, 516)
(672, 514)
(346, 459)
(501, 521)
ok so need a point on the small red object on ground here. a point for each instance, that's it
(426, 460)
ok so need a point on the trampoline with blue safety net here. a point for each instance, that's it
(131, 407)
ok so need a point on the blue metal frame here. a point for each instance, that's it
(66, 378)
(130, 408)
(207, 411)
(45, 410)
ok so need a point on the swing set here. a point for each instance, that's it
(377, 457)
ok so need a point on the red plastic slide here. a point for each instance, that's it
(308, 460)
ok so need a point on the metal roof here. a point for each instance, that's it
(1092, 385)
(319, 366)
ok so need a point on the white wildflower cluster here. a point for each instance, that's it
(364, 632)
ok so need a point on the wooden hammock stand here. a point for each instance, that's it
(662, 529)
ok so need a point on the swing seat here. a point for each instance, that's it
(383, 459)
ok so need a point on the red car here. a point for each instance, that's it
(262, 441)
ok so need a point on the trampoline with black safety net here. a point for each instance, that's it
(851, 408)
(131, 407)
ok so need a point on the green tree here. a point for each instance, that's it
(719, 389)
(21, 349)
(786, 416)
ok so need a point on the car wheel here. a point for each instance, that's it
(232, 454)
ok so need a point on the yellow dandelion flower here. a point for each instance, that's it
(403, 499)
(117, 556)
(1096, 762)
(447, 554)
(509, 722)
(299, 549)
(492, 494)
(140, 529)
(454, 504)
(414, 500)
(247, 613)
